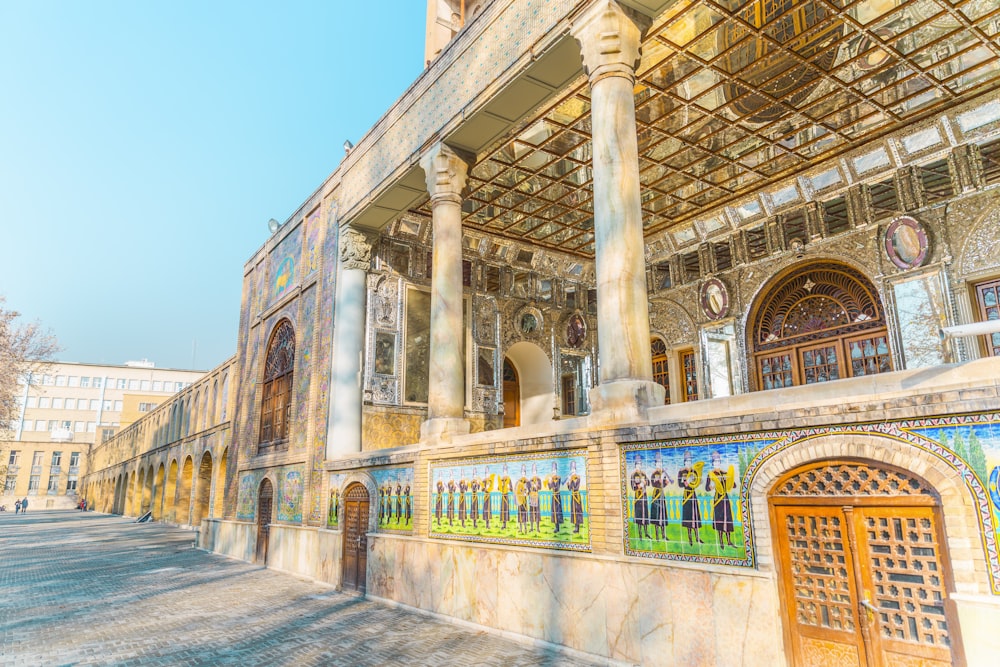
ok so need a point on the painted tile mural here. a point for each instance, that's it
(333, 507)
(246, 500)
(311, 249)
(686, 499)
(682, 500)
(290, 494)
(320, 410)
(303, 374)
(537, 500)
(395, 498)
(282, 264)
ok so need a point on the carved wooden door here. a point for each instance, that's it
(355, 560)
(864, 577)
(265, 502)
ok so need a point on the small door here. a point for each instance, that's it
(865, 577)
(265, 503)
(355, 560)
(511, 396)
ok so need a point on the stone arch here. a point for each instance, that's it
(158, 493)
(140, 483)
(219, 499)
(534, 372)
(147, 490)
(969, 566)
(184, 491)
(371, 486)
(202, 508)
(170, 499)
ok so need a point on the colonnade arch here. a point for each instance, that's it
(536, 395)
(219, 499)
(170, 490)
(158, 492)
(201, 507)
(183, 515)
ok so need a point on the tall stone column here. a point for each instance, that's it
(609, 38)
(446, 175)
(346, 397)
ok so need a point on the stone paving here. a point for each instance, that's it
(91, 589)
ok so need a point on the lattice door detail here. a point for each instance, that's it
(852, 479)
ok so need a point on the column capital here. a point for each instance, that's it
(355, 251)
(446, 172)
(610, 38)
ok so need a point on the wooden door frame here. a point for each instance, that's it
(933, 502)
(364, 528)
(260, 527)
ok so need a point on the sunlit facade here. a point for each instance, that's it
(655, 329)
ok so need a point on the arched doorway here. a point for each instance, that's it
(531, 373)
(355, 559)
(863, 566)
(817, 322)
(129, 499)
(511, 396)
(220, 485)
(169, 500)
(265, 509)
(184, 492)
(202, 490)
(157, 503)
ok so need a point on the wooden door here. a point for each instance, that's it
(265, 504)
(355, 560)
(864, 578)
(511, 396)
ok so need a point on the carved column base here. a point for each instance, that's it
(443, 429)
(624, 401)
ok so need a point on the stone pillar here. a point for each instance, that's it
(446, 175)
(346, 398)
(609, 38)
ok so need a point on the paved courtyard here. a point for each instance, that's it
(90, 589)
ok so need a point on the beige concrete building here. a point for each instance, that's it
(65, 408)
(658, 330)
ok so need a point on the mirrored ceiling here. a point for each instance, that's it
(734, 94)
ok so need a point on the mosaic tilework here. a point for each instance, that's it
(290, 494)
(312, 249)
(303, 373)
(246, 503)
(282, 264)
(321, 374)
(333, 504)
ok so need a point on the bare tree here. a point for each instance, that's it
(24, 346)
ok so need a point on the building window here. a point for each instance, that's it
(98, 383)
(33, 482)
(32, 402)
(819, 322)
(276, 393)
(71, 404)
(9, 484)
(690, 369)
(74, 459)
(15, 455)
(74, 381)
(122, 383)
(71, 485)
(133, 385)
(45, 402)
(157, 385)
(57, 404)
(988, 300)
(53, 487)
(85, 382)
(417, 350)
(36, 459)
(60, 380)
(107, 433)
(118, 406)
(661, 367)
(146, 407)
(56, 459)
(144, 385)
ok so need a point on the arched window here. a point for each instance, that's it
(661, 366)
(276, 394)
(819, 322)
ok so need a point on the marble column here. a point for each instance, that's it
(446, 175)
(346, 396)
(609, 38)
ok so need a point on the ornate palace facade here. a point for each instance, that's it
(645, 328)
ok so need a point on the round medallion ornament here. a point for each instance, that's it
(529, 322)
(576, 331)
(906, 242)
(714, 299)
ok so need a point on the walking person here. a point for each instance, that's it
(24, 505)
(17, 506)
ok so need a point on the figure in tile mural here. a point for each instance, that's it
(689, 479)
(640, 507)
(720, 483)
(538, 500)
(658, 482)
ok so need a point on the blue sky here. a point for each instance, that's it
(144, 146)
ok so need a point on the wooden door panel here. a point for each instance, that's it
(264, 508)
(904, 576)
(355, 548)
(818, 585)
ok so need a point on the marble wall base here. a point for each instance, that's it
(236, 539)
(623, 610)
(979, 618)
